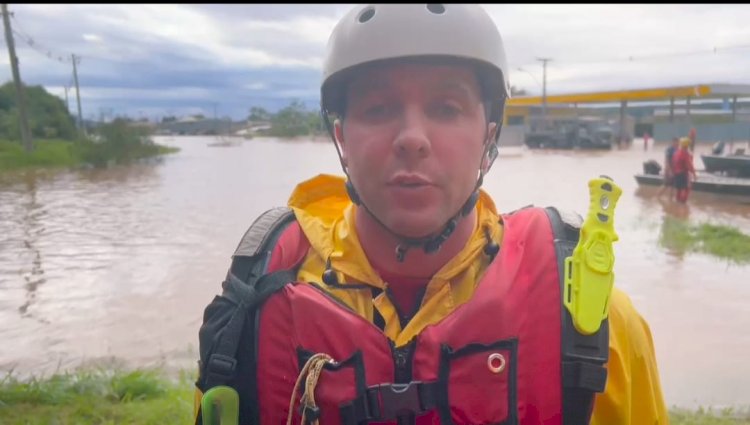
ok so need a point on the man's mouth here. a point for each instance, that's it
(409, 181)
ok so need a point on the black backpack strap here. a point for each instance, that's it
(251, 257)
(583, 356)
(227, 335)
(222, 364)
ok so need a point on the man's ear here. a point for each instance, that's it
(338, 131)
(491, 130)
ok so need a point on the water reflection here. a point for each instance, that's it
(713, 203)
(673, 236)
(32, 230)
(676, 217)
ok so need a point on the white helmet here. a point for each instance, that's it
(425, 32)
(373, 33)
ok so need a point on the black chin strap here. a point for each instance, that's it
(430, 244)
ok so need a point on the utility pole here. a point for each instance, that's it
(544, 89)
(67, 104)
(28, 143)
(81, 126)
(216, 123)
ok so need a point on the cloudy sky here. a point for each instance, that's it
(156, 60)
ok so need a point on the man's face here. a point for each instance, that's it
(412, 139)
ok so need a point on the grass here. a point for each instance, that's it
(98, 397)
(115, 142)
(47, 153)
(703, 416)
(101, 154)
(721, 241)
(147, 397)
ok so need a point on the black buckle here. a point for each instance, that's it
(397, 399)
(221, 367)
(311, 414)
(585, 376)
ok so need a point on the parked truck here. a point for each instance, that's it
(571, 133)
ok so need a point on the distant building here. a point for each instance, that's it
(718, 112)
(196, 126)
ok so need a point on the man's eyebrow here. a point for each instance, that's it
(459, 87)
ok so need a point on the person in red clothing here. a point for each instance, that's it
(398, 292)
(668, 173)
(682, 169)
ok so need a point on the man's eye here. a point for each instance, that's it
(446, 110)
(376, 110)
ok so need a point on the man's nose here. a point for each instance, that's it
(412, 139)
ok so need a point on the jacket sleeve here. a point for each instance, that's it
(633, 393)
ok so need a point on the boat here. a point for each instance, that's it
(704, 182)
(731, 165)
(223, 144)
(224, 141)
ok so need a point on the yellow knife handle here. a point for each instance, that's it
(589, 275)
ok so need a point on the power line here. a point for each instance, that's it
(637, 58)
(39, 49)
(715, 50)
(63, 58)
(74, 60)
(34, 45)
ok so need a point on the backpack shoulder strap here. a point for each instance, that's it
(226, 319)
(583, 356)
(251, 257)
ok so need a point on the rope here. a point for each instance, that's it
(312, 369)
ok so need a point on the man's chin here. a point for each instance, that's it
(415, 227)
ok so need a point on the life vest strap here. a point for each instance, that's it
(386, 402)
(583, 356)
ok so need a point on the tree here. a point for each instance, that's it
(258, 114)
(291, 121)
(315, 122)
(48, 116)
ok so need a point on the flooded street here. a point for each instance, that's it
(119, 263)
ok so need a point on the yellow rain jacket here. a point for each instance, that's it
(326, 215)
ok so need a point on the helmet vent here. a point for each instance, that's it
(436, 8)
(366, 15)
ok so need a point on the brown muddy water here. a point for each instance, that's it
(119, 263)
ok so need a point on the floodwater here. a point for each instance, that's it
(119, 263)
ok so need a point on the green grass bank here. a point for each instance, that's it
(721, 241)
(149, 397)
(113, 143)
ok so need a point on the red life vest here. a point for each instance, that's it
(682, 161)
(494, 360)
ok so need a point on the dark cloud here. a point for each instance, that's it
(170, 58)
(230, 13)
